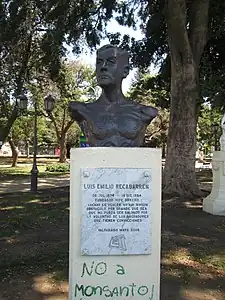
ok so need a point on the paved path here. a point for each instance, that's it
(23, 185)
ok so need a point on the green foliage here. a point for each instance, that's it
(213, 62)
(149, 16)
(32, 40)
(147, 88)
(157, 131)
(75, 82)
(209, 130)
(153, 90)
(59, 167)
(49, 24)
(73, 135)
(22, 130)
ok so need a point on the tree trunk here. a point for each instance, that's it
(63, 150)
(15, 152)
(179, 172)
(5, 130)
(186, 45)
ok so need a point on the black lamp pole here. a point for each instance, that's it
(34, 171)
(49, 105)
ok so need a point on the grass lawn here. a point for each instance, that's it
(34, 248)
(24, 169)
(34, 244)
(6, 160)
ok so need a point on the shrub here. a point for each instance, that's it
(60, 167)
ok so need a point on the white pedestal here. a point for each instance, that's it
(215, 202)
(118, 275)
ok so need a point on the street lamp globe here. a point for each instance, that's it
(49, 102)
(23, 102)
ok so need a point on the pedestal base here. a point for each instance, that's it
(115, 223)
(215, 202)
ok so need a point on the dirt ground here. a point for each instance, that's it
(193, 253)
(34, 249)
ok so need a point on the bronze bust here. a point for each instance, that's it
(112, 121)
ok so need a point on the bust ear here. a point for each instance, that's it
(126, 71)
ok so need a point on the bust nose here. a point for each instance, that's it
(103, 69)
(104, 66)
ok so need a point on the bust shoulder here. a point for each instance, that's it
(77, 110)
(148, 112)
(144, 112)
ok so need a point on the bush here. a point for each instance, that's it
(60, 167)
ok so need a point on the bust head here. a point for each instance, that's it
(112, 66)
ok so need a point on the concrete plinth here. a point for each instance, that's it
(215, 202)
(108, 185)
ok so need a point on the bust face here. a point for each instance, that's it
(109, 68)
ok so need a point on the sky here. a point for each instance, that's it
(113, 27)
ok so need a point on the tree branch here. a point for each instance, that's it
(23, 70)
(175, 11)
(68, 126)
(63, 120)
(55, 125)
(198, 31)
(4, 132)
(149, 136)
(19, 87)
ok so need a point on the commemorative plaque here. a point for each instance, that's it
(116, 211)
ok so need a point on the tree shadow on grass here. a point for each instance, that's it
(204, 176)
(193, 251)
(37, 284)
(34, 244)
(26, 212)
(34, 248)
(183, 283)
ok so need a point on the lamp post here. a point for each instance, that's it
(23, 102)
(34, 170)
(48, 102)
